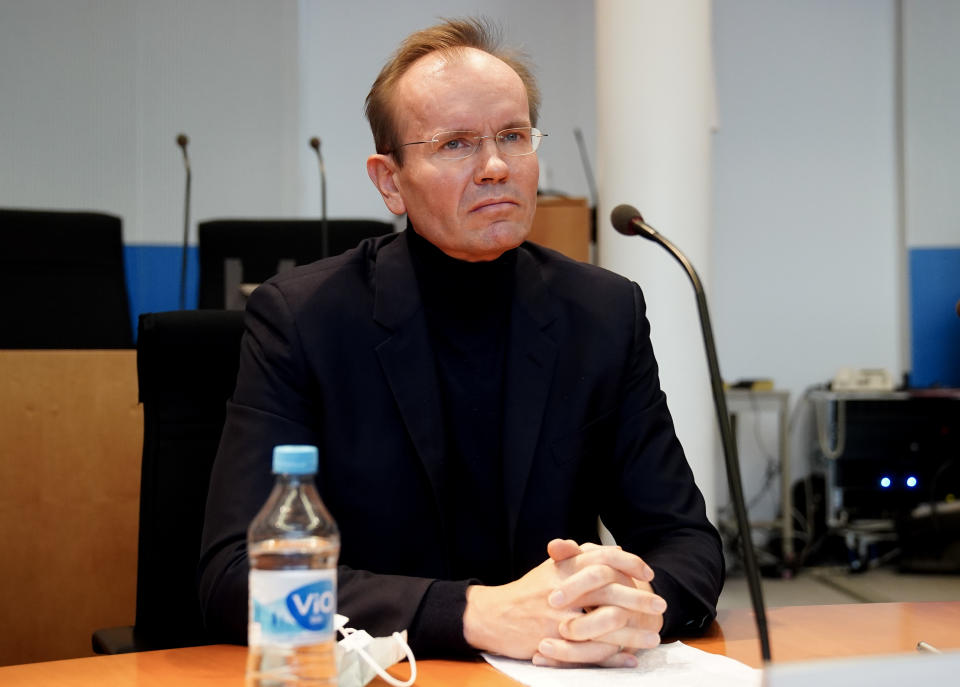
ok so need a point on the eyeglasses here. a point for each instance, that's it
(456, 145)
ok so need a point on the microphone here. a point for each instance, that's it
(628, 221)
(182, 141)
(324, 236)
(591, 182)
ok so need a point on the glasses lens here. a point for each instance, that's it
(518, 141)
(456, 145)
(453, 145)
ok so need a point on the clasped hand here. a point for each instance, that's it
(585, 604)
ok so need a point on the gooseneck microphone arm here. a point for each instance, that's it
(324, 235)
(628, 221)
(182, 141)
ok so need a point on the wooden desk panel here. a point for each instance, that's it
(563, 224)
(797, 633)
(210, 666)
(71, 433)
(215, 666)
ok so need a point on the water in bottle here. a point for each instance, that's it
(293, 544)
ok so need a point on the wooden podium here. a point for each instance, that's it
(563, 224)
(71, 437)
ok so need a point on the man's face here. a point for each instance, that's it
(477, 207)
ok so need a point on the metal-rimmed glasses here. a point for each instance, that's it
(456, 145)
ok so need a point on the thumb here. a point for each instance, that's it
(562, 549)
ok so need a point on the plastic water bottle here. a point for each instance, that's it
(293, 545)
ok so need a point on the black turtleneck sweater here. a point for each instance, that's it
(467, 310)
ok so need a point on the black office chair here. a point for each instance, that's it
(249, 251)
(62, 280)
(187, 367)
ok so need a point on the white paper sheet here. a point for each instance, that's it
(669, 665)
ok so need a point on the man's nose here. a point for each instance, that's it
(491, 165)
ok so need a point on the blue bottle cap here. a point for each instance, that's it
(294, 460)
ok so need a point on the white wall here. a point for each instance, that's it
(932, 117)
(806, 242)
(805, 188)
(94, 94)
(344, 45)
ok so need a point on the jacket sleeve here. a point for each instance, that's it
(659, 512)
(273, 403)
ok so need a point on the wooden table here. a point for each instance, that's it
(797, 633)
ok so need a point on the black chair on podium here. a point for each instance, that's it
(187, 367)
(238, 252)
(62, 280)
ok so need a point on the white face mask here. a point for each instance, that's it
(361, 657)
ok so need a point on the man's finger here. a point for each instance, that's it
(561, 652)
(631, 639)
(621, 659)
(614, 625)
(562, 549)
(585, 581)
(591, 590)
(624, 561)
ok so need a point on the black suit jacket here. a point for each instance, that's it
(337, 354)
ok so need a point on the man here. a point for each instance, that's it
(478, 402)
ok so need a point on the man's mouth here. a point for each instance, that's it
(493, 204)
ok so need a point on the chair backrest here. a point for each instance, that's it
(245, 251)
(62, 279)
(187, 366)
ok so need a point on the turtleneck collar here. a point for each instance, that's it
(445, 279)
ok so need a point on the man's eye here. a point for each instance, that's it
(455, 144)
(515, 137)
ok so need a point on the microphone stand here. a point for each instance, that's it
(324, 234)
(591, 182)
(627, 220)
(182, 141)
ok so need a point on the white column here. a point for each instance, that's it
(655, 112)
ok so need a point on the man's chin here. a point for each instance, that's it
(505, 235)
(489, 247)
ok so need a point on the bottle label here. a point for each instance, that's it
(292, 607)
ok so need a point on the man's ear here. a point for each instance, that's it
(382, 170)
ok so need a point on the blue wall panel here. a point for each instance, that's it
(935, 326)
(153, 278)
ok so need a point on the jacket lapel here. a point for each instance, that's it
(407, 359)
(531, 356)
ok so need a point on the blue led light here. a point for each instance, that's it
(911, 481)
(885, 482)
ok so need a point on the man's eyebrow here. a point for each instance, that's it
(513, 124)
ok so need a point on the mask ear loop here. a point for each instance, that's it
(358, 639)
